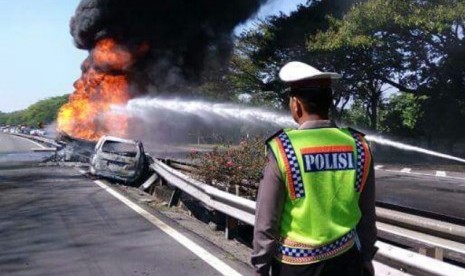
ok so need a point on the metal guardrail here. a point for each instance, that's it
(433, 227)
(183, 166)
(435, 238)
(48, 142)
(244, 210)
(427, 225)
(231, 205)
(433, 246)
(414, 262)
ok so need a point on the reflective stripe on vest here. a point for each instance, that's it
(363, 161)
(294, 176)
(298, 253)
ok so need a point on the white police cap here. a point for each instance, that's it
(296, 71)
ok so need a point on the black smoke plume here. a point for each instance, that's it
(182, 35)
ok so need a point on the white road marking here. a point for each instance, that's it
(377, 167)
(202, 253)
(406, 170)
(441, 173)
(427, 174)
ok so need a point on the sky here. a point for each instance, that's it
(37, 57)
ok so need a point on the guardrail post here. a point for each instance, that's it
(217, 220)
(151, 190)
(175, 196)
(433, 252)
(163, 181)
(231, 229)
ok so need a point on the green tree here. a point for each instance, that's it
(415, 46)
(356, 116)
(44, 111)
(264, 49)
(403, 115)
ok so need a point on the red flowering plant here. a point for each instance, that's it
(237, 169)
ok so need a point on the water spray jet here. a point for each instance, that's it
(383, 141)
(143, 108)
(206, 110)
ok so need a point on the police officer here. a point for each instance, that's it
(315, 207)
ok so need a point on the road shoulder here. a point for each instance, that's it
(232, 252)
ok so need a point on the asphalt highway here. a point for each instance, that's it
(10, 143)
(55, 221)
(423, 191)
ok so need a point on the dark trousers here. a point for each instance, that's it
(347, 264)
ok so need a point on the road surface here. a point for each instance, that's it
(10, 143)
(55, 221)
(18, 151)
(440, 193)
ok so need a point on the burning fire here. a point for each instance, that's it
(103, 84)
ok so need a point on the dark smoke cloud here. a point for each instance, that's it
(182, 34)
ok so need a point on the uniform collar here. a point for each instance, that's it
(317, 124)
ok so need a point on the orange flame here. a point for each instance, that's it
(88, 113)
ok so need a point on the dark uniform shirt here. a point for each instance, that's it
(270, 202)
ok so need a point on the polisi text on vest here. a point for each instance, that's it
(330, 161)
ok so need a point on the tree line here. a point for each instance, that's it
(39, 114)
(402, 61)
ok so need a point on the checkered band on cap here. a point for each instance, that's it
(322, 252)
(360, 165)
(296, 175)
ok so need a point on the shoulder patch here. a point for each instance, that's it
(274, 136)
(355, 131)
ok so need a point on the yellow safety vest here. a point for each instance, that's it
(324, 171)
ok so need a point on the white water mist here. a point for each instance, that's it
(206, 110)
(144, 108)
(386, 142)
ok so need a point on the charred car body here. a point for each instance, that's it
(119, 159)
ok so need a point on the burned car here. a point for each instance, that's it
(119, 159)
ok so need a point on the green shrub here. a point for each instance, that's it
(236, 167)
